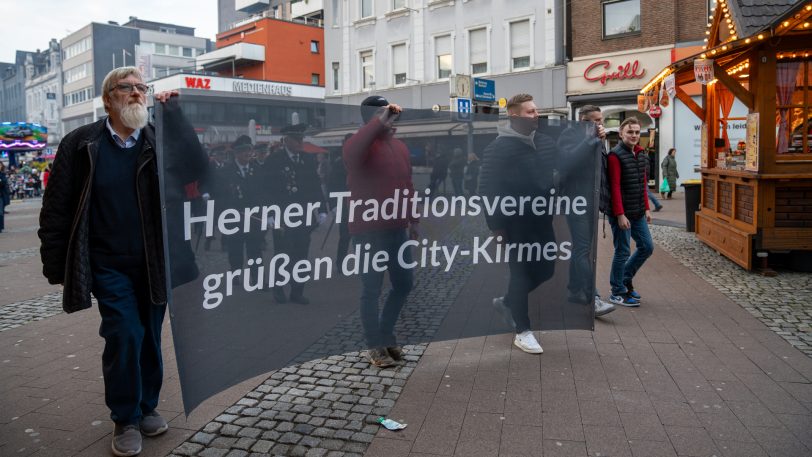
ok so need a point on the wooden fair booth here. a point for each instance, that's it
(756, 195)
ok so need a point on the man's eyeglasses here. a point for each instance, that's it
(128, 88)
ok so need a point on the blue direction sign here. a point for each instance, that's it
(484, 90)
(464, 109)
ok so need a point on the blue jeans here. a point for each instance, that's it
(131, 327)
(379, 327)
(653, 199)
(624, 267)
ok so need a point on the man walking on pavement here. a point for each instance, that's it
(628, 184)
(512, 165)
(575, 146)
(378, 166)
(293, 176)
(101, 232)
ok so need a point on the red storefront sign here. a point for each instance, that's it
(631, 70)
(197, 83)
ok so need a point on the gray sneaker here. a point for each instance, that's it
(126, 440)
(152, 424)
(504, 311)
(602, 307)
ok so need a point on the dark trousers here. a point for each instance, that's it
(379, 326)
(524, 278)
(456, 182)
(296, 244)
(2, 214)
(131, 327)
(240, 245)
(581, 282)
(343, 243)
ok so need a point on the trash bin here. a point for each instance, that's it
(692, 201)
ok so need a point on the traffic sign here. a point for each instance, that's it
(655, 111)
(463, 109)
(484, 90)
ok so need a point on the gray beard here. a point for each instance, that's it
(134, 116)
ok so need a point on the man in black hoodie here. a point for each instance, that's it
(513, 166)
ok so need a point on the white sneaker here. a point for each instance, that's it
(602, 307)
(527, 343)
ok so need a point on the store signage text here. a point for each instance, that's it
(198, 83)
(631, 70)
(250, 87)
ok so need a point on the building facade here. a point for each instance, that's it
(91, 52)
(271, 50)
(406, 50)
(166, 49)
(616, 46)
(12, 90)
(43, 90)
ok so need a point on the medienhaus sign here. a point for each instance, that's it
(236, 85)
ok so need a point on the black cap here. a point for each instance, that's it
(370, 105)
(294, 130)
(242, 143)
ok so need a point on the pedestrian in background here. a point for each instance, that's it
(379, 166)
(5, 196)
(472, 174)
(670, 173)
(101, 232)
(628, 183)
(456, 169)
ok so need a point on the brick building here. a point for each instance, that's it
(615, 46)
(271, 50)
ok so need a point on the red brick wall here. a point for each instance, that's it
(661, 22)
(287, 51)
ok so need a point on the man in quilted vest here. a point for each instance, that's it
(630, 214)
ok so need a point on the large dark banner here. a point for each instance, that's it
(297, 230)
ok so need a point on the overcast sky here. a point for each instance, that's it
(30, 24)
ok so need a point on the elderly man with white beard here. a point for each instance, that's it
(101, 233)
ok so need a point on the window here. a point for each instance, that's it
(314, 79)
(336, 13)
(85, 44)
(621, 17)
(78, 96)
(478, 50)
(443, 56)
(174, 50)
(336, 67)
(397, 4)
(793, 97)
(160, 48)
(367, 70)
(187, 52)
(366, 8)
(520, 44)
(167, 29)
(400, 64)
(314, 47)
(76, 73)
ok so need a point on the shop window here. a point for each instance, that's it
(621, 17)
(367, 70)
(478, 50)
(400, 64)
(443, 56)
(520, 44)
(793, 120)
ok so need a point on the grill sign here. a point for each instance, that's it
(631, 70)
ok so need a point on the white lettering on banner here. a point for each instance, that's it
(281, 270)
(263, 88)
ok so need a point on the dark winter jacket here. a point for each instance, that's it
(64, 218)
(378, 165)
(628, 181)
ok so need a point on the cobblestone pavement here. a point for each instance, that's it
(783, 302)
(329, 406)
(20, 313)
(18, 254)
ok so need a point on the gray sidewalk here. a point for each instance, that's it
(691, 372)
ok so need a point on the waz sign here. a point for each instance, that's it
(197, 83)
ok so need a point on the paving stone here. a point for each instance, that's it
(188, 449)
